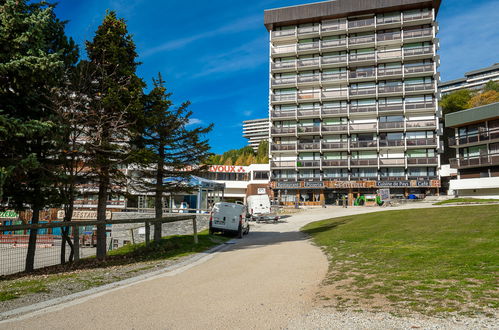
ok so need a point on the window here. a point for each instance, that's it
(260, 175)
(392, 171)
(335, 173)
(421, 153)
(365, 172)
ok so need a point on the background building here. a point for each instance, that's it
(474, 80)
(476, 143)
(353, 99)
(256, 130)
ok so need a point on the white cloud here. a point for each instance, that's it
(248, 113)
(195, 121)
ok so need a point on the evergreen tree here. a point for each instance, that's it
(115, 102)
(34, 55)
(174, 151)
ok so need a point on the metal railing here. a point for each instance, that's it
(475, 161)
(391, 125)
(417, 16)
(422, 161)
(361, 23)
(388, 36)
(364, 144)
(481, 137)
(418, 51)
(361, 40)
(417, 33)
(363, 108)
(421, 142)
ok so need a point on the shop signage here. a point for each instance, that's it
(351, 184)
(384, 194)
(314, 185)
(288, 185)
(8, 215)
(227, 169)
(393, 184)
(84, 215)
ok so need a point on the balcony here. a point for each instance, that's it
(389, 55)
(391, 107)
(418, 88)
(283, 130)
(308, 163)
(389, 37)
(425, 124)
(285, 65)
(332, 60)
(283, 114)
(308, 30)
(396, 125)
(364, 127)
(373, 144)
(361, 75)
(308, 63)
(283, 33)
(308, 96)
(369, 91)
(333, 26)
(284, 81)
(284, 97)
(334, 145)
(421, 142)
(337, 94)
(281, 50)
(391, 143)
(362, 58)
(334, 112)
(361, 24)
(392, 162)
(418, 69)
(392, 21)
(420, 52)
(283, 147)
(334, 128)
(309, 47)
(310, 113)
(483, 137)
(475, 161)
(422, 161)
(335, 163)
(395, 72)
(309, 146)
(389, 90)
(283, 164)
(420, 106)
(329, 45)
(307, 177)
(416, 18)
(362, 109)
(334, 77)
(364, 162)
(306, 80)
(309, 130)
(421, 34)
(363, 40)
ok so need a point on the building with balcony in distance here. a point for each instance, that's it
(256, 130)
(476, 143)
(353, 100)
(473, 80)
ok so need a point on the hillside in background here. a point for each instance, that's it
(242, 157)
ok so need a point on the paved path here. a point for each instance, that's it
(262, 282)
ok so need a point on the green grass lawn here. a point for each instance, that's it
(424, 260)
(466, 200)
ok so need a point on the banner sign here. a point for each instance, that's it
(227, 169)
(314, 185)
(8, 215)
(357, 184)
(393, 184)
(288, 185)
(84, 215)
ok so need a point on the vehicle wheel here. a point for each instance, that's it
(240, 232)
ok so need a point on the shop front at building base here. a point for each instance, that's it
(319, 193)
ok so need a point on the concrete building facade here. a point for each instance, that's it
(476, 143)
(256, 130)
(353, 99)
(473, 80)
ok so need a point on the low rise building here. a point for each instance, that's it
(476, 143)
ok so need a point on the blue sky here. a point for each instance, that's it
(215, 53)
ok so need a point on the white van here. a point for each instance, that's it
(259, 208)
(229, 218)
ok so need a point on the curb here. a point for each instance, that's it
(82, 296)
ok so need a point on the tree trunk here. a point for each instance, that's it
(30, 255)
(158, 200)
(101, 213)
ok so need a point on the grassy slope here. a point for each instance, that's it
(427, 260)
(466, 200)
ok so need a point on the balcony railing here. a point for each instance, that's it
(309, 146)
(391, 143)
(362, 74)
(389, 72)
(389, 36)
(365, 126)
(334, 128)
(482, 137)
(419, 87)
(283, 130)
(309, 29)
(309, 113)
(418, 51)
(421, 124)
(363, 91)
(362, 108)
(361, 40)
(418, 69)
(309, 79)
(417, 16)
(475, 161)
(334, 26)
(283, 81)
(283, 163)
(334, 43)
(390, 89)
(334, 145)
(361, 23)
(334, 59)
(334, 111)
(392, 125)
(309, 129)
(364, 162)
(364, 144)
(362, 57)
(389, 54)
(391, 107)
(308, 163)
(422, 161)
(419, 105)
(335, 163)
(284, 65)
(388, 20)
(283, 49)
(283, 33)
(284, 97)
(417, 33)
(307, 96)
(335, 94)
(308, 46)
(392, 161)
(282, 114)
(421, 142)
(284, 147)
(308, 62)
(334, 76)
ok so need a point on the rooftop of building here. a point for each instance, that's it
(473, 115)
(468, 74)
(339, 8)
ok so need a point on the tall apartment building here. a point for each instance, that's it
(473, 80)
(476, 142)
(353, 99)
(256, 130)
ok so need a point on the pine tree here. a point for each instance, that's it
(116, 100)
(35, 53)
